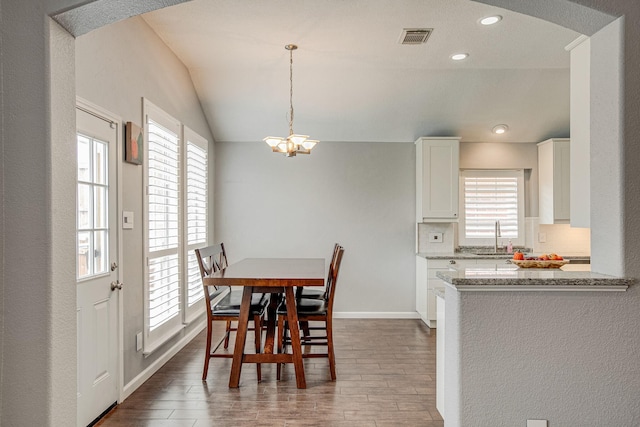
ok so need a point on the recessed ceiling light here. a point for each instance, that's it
(490, 20)
(500, 129)
(459, 56)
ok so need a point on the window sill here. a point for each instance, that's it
(152, 347)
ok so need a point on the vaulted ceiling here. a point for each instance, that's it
(354, 81)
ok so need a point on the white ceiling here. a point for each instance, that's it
(353, 81)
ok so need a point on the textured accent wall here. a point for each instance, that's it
(566, 357)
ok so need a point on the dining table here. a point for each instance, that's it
(276, 276)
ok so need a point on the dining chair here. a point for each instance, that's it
(314, 310)
(223, 304)
(310, 293)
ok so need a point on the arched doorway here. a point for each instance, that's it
(38, 135)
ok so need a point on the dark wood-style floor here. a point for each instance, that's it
(386, 377)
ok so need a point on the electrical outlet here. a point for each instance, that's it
(139, 341)
(542, 237)
(536, 423)
(435, 237)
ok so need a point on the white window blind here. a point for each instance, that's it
(163, 218)
(196, 212)
(487, 197)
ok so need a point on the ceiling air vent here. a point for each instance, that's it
(415, 35)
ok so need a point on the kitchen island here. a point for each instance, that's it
(429, 264)
(520, 344)
(509, 277)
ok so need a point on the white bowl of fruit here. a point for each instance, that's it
(543, 261)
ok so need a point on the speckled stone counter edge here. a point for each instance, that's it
(535, 280)
(466, 255)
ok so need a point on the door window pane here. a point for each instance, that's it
(100, 163)
(100, 207)
(84, 207)
(92, 207)
(84, 159)
(100, 252)
(84, 248)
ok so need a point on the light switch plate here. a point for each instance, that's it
(139, 341)
(127, 220)
(435, 237)
(536, 423)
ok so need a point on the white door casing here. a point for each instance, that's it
(97, 263)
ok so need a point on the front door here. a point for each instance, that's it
(96, 266)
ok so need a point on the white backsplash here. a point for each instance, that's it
(560, 238)
(448, 242)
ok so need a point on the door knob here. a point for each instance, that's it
(116, 285)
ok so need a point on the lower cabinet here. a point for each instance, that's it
(427, 281)
(440, 356)
(421, 289)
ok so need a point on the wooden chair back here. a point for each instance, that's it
(211, 259)
(334, 269)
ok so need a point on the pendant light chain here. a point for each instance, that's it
(291, 91)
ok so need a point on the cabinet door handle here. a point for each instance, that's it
(452, 261)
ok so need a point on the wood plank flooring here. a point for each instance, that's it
(386, 377)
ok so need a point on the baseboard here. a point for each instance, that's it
(376, 315)
(153, 368)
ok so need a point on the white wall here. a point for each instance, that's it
(361, 195)
(496, 155)
(116, 66)
(580, 143)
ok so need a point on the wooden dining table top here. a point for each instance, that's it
(271, 272)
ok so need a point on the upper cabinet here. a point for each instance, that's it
(554, 181)
(437, 170)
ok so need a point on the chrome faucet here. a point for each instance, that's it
(497, 234)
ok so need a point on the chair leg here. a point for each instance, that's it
(257, 332)
(304, 326)
(207, 354)
(280, 344)
(227, 332)
(330, 353)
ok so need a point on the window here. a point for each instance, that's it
(488, 196)
(196, 218)
(176, 182)
(92, 208)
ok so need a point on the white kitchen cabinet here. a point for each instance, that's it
(554, 181)
(440, 356)
(421, 288)
(437, 170)
(427, 280)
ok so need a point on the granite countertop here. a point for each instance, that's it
(512, 278)
(470, 255)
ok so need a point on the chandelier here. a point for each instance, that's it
(293, 144)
